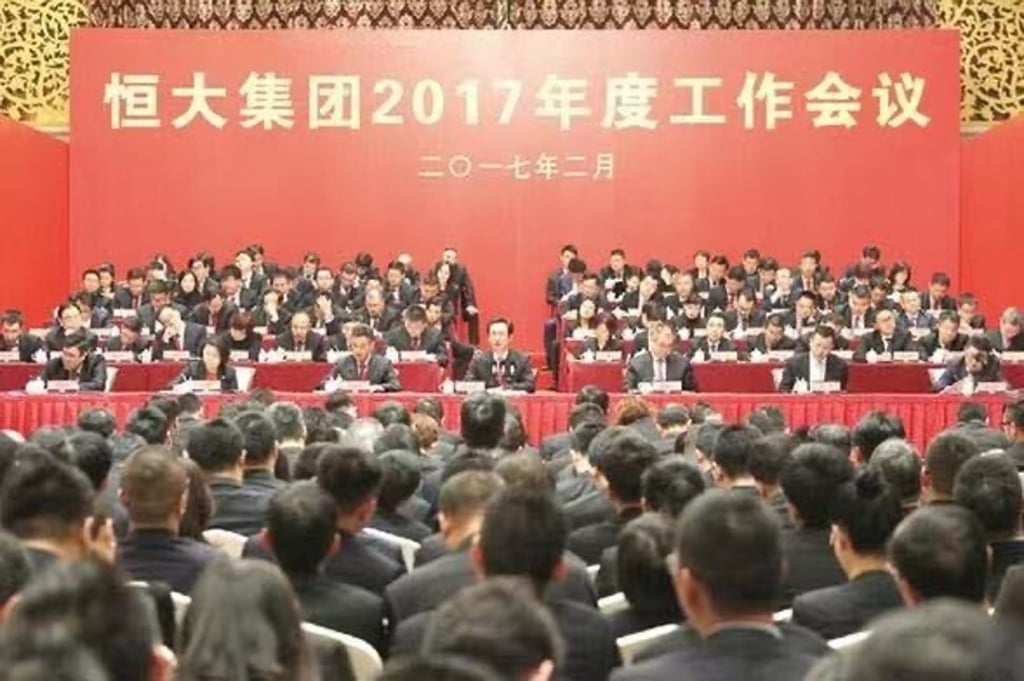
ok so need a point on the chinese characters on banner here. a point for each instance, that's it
(764, 101)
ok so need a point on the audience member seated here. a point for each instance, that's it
(946, 454)
(704, 349)
(662, 364)
(213, 313)
(154, 489)
(502, 367)
(945, 340)
(413, 335)
(399, 482)
(177, 334)
(1008, 337)
(899, 464)
(1013, 427)
(13, 337)
(810, 482)
(214, 365)
(301, 338)
(773, 338)
(885, 340)
(130, 339)
(240, 337)
(363, 364)
(988, 485)
(730, 459)
(77, 363)
(768, 456)
(815, 366)
(461, 503)
(70, 325)
(979, 364)
(864, 514)
(604, 338)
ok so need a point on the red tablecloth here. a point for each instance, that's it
(547, 413)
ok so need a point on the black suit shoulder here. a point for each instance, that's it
(847, 608)
(342, 607)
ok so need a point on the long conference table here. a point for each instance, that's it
(544, 413)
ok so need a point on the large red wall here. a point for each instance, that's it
(33, 220)
(992, 219)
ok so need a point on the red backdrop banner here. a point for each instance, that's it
(506, 145)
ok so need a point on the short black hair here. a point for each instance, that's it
(873, 429)
(1013, 413)
(900, 466)
(623, 464)
(349, 475)
(99, 420)
(769, 455)
(946, 454)
(988, 485)
(525, 470)
(868, 510)
(301, 525)
(592, 394)
(972, 412)
(508, 324)
(55, 440)
(392, 412)
(431, 406)
(524, 535)
(768, 419)
(483, 420)
(673, 416)
(730, 542)
(586, 412)
(513, 438)
(732, 449)
(215, 445)
(468, 493)
(149, 423)
(259, 439)
(941, 552)
(43, 498)
(287, 420)
(584, 434)
(436, 668)
(396, 436)
(498, 623)
(810, 481)
(91, 453)
(400, 477)
(670, 484)
(644, 545)
(834, 434)
(707, 436)
(167, 404)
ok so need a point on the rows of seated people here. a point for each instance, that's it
(635, 545)
(758, 311)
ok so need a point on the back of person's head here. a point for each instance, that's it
(216, 446)
(867, 511)
(55, 440)
(466, 460)
(524, 535)
(430, 406)
(586, 413)
(972, 412)
(483, 420)
(396, 436)
(623, 464)
(364, 433)
(514, 436)
(632, 409)
(940, 551)
(946, 454)
(498, 623)
(728, 544)
(768, 456)
(767, 419)
(166, 404)
(731, 454)
(50, 654)
(259, 439)
(400, 478)
(91, 602)
(287, 420)
(426, 430)
(8, 453)
(15, 569)
(301, 527)
(154, 484)
(98, 420)
(467, 494)
(644, 545)
(436, 668)
(92, 454)
(525, 470)
(873, 429)
(591, 394)
(43, 498)
(243, 623)
(341, 403)
(706, 437)
(391, 412)
(943, 640)
(834, 434)
(988, 485)
(350, 475)
(899, 464)
(669, 484)
(673, 416)
(583, 434)
(149, 423)
(189, 404)
(810, 481)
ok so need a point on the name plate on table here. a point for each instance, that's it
(293, 356)
(10, 356)
(199, 387)
(176, 356)
(469, 386)
(918, 333)
(991, 387)
(353, 386)
(843, 354)
(1012, 357)
(615, 356)
(700, 333)
(752, 331)
(780, 355)
(125, 314)
(730, 356)
(825, 387)
(415, 356)
(662, 387)
(122, 356)
(103, 333)
(239, 355)
(906, 356)
(62, 387)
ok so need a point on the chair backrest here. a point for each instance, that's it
(366, 662)
(610, 605)
(245, 376)
(592, 570)
(783, 615)
(181, 603)
(847, 641)
(229, 542)
(111, 375)
(630, 645)
(408, 547)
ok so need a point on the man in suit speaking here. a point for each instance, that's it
(817, 365)
(662, 364)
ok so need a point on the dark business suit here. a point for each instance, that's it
(785, 344)
(1016, 452)
(589, 509)
(844, 609)
(945, 303)
(378, 370)
(152, 555)
(719, 299)
(399, 525)
(238, 507)
(341, 607)
(590, 542)
(191, 341)
(755, 319)
(147, 314)
(57, 338)
(430, 342)
(1016, 344)
(921, 320)
(313, 344)
(260, 317)
(26, 346)
(868, 318)
(1005, 555)
(957, 371)
(245, 299)
(799, 367)
(706, 346)
(553, 444)
(123, 300)
(91, 375)
(251, 344)
(641, 370)
(810, 561)
(515, 374)
(901, 341)
(195, 370)
(382, 323)
(220, 320)
(116, 344)
(930, 343)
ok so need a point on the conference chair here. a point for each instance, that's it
(632, 644)
(783, 616)
(609, 605)
(408, 547)
(848, 640)
(365, 661)
(231, 543)
(181, 603)
(592, 571)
